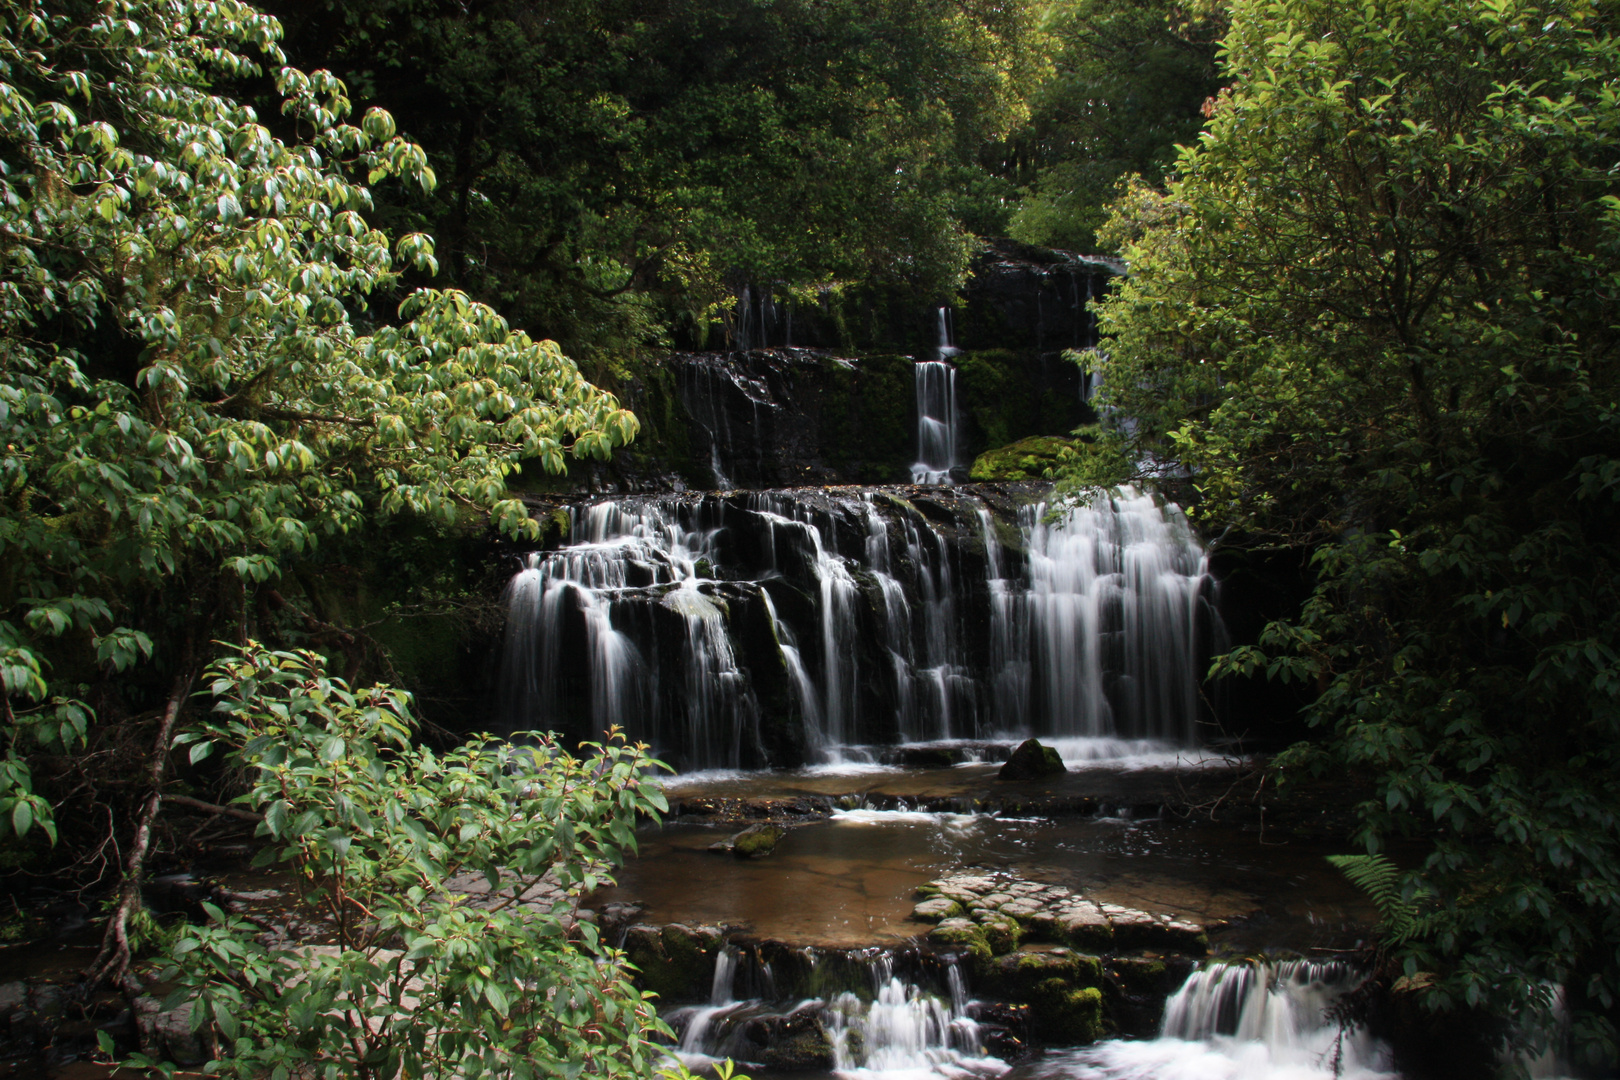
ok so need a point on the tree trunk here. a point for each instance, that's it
(111, 965)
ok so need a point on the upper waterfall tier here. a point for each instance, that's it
(774, 628)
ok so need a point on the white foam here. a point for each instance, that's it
(944, 819)
(1131, 755)
(1217, 1058)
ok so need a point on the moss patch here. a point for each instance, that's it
(1026, 459)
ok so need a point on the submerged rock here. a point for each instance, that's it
(754, 842)
(1033, 760)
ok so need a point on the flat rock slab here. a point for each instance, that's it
(1051, 913)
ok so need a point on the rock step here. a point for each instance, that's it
(997, 913)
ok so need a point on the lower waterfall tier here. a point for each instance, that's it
(772, 629)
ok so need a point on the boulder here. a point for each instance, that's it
(796, 1043)
(1032, 761)
(757, 841)
(169, 1035)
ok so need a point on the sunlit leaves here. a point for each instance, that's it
(186, 392)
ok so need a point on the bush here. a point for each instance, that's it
(421, 978)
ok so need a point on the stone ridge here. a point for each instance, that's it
(998, 911)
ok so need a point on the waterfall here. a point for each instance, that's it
(1256, 1021)
(771, 628)
(903, 1028)
(1117, 590)
(936, 422)
(936, 411)
(891, 1025)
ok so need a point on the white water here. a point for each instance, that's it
(950, 822)
(1116, 591)
(1240, 1022)
(936, 411)
(885, 625)
(902, 1032)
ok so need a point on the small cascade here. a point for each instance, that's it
(936, 411)
(1255, 1021)
(903, 1028)
(781, 628)
(892, 1025)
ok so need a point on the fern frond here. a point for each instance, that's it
(1380, 879)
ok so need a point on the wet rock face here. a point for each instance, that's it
(1033, 760)
(675, 961)
(797, 1043)
(1025, 297)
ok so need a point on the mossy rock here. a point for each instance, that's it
(1026, 459)
(799, 1044)
(757, 841)
(936, 908)
(1066, 1014)
(675, 962)
(1061, 988)
(1033, 760)
(962, 935)
(1149, 975)
(1001, 934)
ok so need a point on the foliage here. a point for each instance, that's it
(1127, 82)
(1374, 312)
(614, 168)
(384, 842)
(1383, 882)
(195, 390)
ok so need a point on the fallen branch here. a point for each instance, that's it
(213, 808)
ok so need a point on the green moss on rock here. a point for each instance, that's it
(757, 841)
(1026, 459)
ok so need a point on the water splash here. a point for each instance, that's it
(1242, 1022)
(894, 1029)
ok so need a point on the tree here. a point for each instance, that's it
(197, 384)
(1127, 84)
(613, 169)
(419, 979)
(1374, 313)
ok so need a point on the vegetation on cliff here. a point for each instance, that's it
(1373, 313)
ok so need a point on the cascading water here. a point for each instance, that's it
(894, 1027)
(1117, 591)
(776, 628)
(936, 411)
(1242, 1022)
